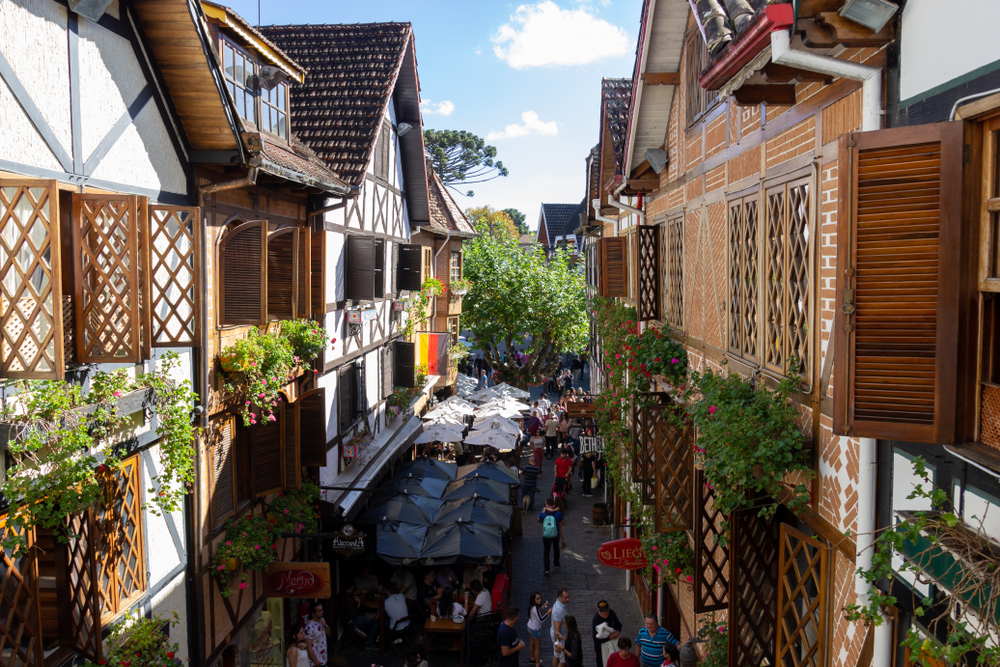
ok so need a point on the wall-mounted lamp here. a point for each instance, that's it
(403, 128)
(657, 158)
(872, 14)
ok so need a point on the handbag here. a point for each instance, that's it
(593, 482)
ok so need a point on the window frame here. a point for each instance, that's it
(455, 264)
(108, 560)
(697, 101)
(231, 83)
(454, 333)
(282, 113)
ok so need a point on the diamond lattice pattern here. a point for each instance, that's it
(173, 251)
(20, 644)
(801, 599)
(743, 277)
(675, 272)
(121, 570)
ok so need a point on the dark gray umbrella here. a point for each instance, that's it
(428, 467)
(476, 510)
(478, 486)
(429, 505)
(399, 543)
(415, 485)
(470, 542)
(495, 470)
(406, 510)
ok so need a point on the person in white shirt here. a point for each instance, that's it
(483, 603)
(544, 403)
(395, 609)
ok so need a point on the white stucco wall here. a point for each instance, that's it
(944, 39)
(22, 143)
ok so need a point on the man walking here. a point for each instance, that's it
(552, 535)
(317, 630)
(558, 631)
(564, 468)
(529, 484)
(605, 614)
(507, 639)
(651, 640)
(551, 435)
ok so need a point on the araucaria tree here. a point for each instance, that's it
(460, 157)
(521, 297)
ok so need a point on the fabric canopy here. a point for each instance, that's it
(457, 403)
(478, 486)
(484, 395)
(421, 486)
(395, 511)
(428, 467)
(495, 438)
(476, 510)
(496, 422)
(438, 433)
(447, 543)
(399, 544)
(509, 391)
(496, 471)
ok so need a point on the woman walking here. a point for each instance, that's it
(537, 613)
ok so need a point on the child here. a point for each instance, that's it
(671, 656)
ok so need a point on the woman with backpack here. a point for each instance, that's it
(551, 520)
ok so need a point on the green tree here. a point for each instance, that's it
(521, 297)
(497, 222)
(461, 157)
(518, 219)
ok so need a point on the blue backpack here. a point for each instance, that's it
(549, 527)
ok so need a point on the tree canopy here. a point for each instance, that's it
(497, 222)
(518, 219)
(521, 297)
(461, 157)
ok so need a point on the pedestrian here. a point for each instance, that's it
(587, 468)
(577, 367)
(551, 436)
(537, 449)
(482, 380)
(529, 484)
(507, 639)
(297, 654)
(623, 657)
(317, 631)
(564, 467)
(651, 640)
(564, 429)
(537, 613)
(671, 656)
(557, 632)
(552, 535)
(573, 647)
(605, 615)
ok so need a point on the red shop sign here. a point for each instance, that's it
(297, 580)
(622, 554)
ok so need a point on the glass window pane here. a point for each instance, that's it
(282, 93)
(229, 59)
(251, 115)
(281, 126)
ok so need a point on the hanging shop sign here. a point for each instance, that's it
(623, 554)
(351, 540)
(591, 444)
(297, 580)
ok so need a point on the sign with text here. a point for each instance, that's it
(350, 540)
(297, 580)
(623, 554)
(591, 444)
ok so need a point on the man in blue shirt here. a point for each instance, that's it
(507, 639)
(651, 640)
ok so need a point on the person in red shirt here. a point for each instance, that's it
(624, 656)
(564, 466)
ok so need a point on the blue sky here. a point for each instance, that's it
(579, 40)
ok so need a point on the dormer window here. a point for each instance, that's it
(265, 108)
(273, 116)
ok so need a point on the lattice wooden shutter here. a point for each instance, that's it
(84, 631)
(404, 364)
(674, 502)
(21, 620)
(31, 340)
(614, 266)
(282, 273)
(360, 268)
(317, 258)
(265, 448)
(379, 268)
(310, 415)
(711, 572)
(106, 263)
(743, 293)
(345, 396)
(408, 268)
(646, 434)
(803, 588)
(122, 563)
(291, 465)
(144, 230)
(223, 480)
(899, 240)
(175, 256)
(753, 590)
(387, 387)
(648, 272)
(303, 285)
(242, 284)
(675, 272)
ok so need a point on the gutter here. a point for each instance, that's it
(246, 181)
(598, 216)
(775, 19)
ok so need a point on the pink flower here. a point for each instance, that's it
(222, 567)
(263, 381)
(118, 394)
(248, 402)
(711, 409)
(260, 395)
(286, 511)
(295, 359)
(721, 630)
(229, 544)
(689, 577)
(654, 548)
(674, 361)
(272, 418)
(253, 363)
(256, 546)
(617, 356)
(243, 585)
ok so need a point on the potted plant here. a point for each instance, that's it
(266, 362)
(296, 511)
(251, 541)
(306, 337)
(669, 554)
(459, 288)
(137, 641)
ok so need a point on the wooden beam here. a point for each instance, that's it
(782, 96)
(643, 184)
(784, 74)
(810, 8)
(662, 78)
(829, 29)
(640, 170)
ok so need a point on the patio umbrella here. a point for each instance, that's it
(429, 505)
(508, 391)
(497, 471)
(445, 420)
(505, 442)
(445, 411)
(400, 511)
(498, 411)
(458, 404)
(399, 544)
(484, 395)
(462, 539)
(427, 467)
(438, 433)
(493, 513)
(421, 486)
(496, 422)
(481, 487)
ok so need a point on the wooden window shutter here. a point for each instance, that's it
(242, 288)
(408, 267)
(345, 397)
(614, 266)
(291, 464)
(803, 599)
(360, 268)
(310, 417)
(387, 386)
(673, 500)
(404, 364)
(392, 269)
(317, 291)
(379, 268)
(83, 600)
(753, 589)
(303, 285)
(265, 448)
(648, 255)
(31, 309)
(899, 238)
(106, 264)
(743, 272)
(711, 570)
(223, 480)
(175, 271)
(282, 273)
(675, 272)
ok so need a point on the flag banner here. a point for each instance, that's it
(432, 350)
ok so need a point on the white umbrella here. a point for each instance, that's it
(445, 420)
(496, 421)
(438, 433)
(484, 395)
(504, 403)
(444, 411)
(502, 441)
(508, 391)
(458, 404)
(497, 411)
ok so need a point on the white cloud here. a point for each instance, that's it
(543, 35)
(441, 108)
(532, 125)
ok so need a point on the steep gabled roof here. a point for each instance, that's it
(561, 219)
(446, 216)
(616, 98)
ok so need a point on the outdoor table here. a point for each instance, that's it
(447, 627)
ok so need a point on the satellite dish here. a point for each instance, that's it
(657, 158)
(270, 77)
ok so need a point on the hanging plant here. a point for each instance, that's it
(257, 366)
(296, 511)
(175, 428)
(137, 641)
(459, 288)
(417, 304)
(748, 441)
(669, 554)
(715, 634)
(250, 543)
(307, 338)
(653, 353)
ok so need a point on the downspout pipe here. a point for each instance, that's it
(598, 216)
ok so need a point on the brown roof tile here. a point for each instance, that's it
(616, 97)
(446, 216)
(299, 164)
(352, 69)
